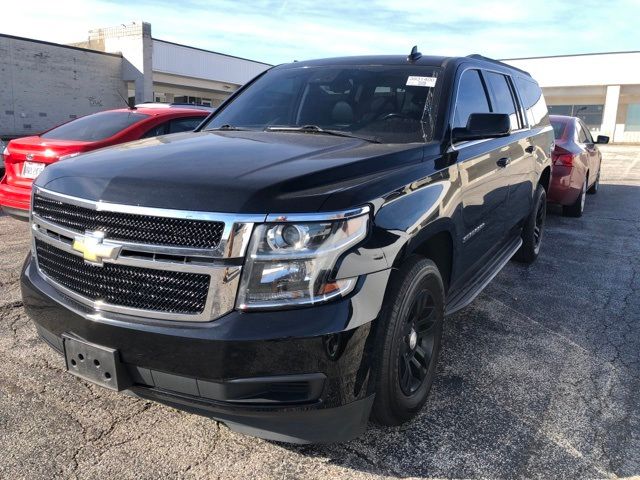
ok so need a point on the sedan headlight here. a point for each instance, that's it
(291, 264)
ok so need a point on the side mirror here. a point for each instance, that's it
(483, 125)
(602, 139)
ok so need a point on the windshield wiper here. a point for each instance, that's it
(229, 128)
(317, 129)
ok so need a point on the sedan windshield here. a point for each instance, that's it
(389, 104)
(97, 126)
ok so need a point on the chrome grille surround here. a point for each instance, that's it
(118, 226)
(222, 264)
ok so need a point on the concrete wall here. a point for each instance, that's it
(43, 84)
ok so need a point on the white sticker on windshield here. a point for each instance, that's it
(421, 81)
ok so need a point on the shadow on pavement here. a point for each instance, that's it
(540, 375)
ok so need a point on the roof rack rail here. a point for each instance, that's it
(477, 56)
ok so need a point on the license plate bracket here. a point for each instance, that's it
(95, 363)
(32, 169)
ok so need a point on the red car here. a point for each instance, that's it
(576, 164)
(26, 157)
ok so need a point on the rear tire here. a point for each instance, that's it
(533, 230)
(577, 208)
(596, 185)
(412, 321)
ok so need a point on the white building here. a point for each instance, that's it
(161, 71)
(601, 88)
(45, 84)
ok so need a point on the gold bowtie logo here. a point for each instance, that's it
(94, 248)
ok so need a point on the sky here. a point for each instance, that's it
(281, 31)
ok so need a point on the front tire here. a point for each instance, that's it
(412, 320)
(533, 230)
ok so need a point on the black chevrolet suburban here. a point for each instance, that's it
(287, 267)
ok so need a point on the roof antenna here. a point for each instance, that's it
(414, 55)
(126, 102)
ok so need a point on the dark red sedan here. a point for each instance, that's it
(26, 157)
(576, 164)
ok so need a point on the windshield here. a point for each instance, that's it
(392, 104)
(94, 127)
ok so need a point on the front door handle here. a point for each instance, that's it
(503, 162)
(529, 149)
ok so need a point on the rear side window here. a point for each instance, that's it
(184, 124)
(534, 104)
(501, 97)
(584, 136)
(160, 129)
(472, 98)
(95, 127)
(587, 133)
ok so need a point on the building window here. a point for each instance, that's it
(632, 124)
(591, 115)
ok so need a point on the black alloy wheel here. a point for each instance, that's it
(409, 341)
(533, 230)
(416, 350)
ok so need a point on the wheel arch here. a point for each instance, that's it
(436, 242)
(545, 179)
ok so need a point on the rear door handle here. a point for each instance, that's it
(529, 149)
(503, 162)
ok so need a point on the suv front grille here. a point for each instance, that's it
(123, 285)
(146, 229)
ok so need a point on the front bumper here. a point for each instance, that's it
(301, 375)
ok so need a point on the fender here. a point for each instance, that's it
(426, 208)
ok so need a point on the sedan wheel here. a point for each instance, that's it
(596, 186)
(577, 208)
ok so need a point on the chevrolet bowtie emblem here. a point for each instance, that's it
(94, 248)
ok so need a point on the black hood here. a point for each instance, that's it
(240, 171)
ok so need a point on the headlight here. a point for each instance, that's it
(292, 263)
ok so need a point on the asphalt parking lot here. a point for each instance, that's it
(538, 378)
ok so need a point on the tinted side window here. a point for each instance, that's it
(583, 134)
(534, 104)
(160, 129)
(97, 126)
(501, 97)
(580, 134)
(184, 124)
(472, 98)
(587, 133)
